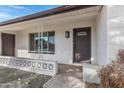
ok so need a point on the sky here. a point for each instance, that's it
(8, 12)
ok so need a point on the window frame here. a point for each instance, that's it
(41, 50)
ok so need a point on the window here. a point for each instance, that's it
(51, 42)
(43, 42)
(34, 42)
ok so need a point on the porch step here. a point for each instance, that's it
(64, 81)
(13, 78)
(68, 77)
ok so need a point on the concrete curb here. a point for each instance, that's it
(45, 85)
(90, 73)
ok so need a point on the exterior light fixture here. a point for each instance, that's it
(67, 34)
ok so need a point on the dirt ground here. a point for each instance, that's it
(13, 78)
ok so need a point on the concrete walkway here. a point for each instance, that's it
(68, 77)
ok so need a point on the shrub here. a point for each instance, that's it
(112, 75)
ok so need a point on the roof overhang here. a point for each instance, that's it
(61, 18)
(55, 11)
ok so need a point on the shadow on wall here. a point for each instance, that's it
(115, 29)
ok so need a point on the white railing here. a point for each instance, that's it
(45, 67)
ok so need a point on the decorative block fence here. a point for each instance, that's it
(40, 66)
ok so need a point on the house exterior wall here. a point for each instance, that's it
(112, 39)
(102, 37)
(63, 46)
(115, 30)
(110, 33)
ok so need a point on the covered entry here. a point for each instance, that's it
(8, 44)
(45, 37)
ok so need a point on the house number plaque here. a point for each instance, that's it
(81, 33)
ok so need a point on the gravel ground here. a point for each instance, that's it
(13, 78)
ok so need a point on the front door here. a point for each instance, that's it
(8, 44)
(82, 44)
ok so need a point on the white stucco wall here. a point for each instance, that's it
(115, 30)
(108, 41)
(63, 46)
(102, 37)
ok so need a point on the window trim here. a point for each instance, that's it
(41, 52)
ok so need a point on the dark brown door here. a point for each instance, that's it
(82, 44)
(8, 44)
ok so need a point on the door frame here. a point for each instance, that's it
(90, 43)
(14, 43)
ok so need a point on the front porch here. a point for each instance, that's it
(57, 37)
(72, 76)
(68, 38)
(69, 76)
(75, 75)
